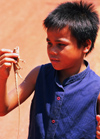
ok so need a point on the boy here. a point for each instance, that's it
(66, 90)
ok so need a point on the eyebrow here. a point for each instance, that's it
(62, 40)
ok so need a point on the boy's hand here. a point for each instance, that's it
(98, 127)
(7, 57)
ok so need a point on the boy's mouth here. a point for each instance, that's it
(54, 60)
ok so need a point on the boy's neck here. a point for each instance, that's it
(63, 74)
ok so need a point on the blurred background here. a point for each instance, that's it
(21, 25)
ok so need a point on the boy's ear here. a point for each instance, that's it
(87, 46)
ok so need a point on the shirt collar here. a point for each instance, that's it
(73, 78)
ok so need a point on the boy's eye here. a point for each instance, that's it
(61, 45)
(49, 43)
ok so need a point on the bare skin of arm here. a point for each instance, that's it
(98, 118)
(9, 101)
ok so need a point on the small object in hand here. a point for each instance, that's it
(17, 67)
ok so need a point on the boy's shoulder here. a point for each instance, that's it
(46, 70)
(91, 74)
(94, 75)
(47, 67)
(94, 79)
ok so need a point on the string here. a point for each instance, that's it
(16, 87)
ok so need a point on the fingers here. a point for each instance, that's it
(98, 127)
(7, 53)
(7, 57)
(98, 118)
(2, 51)
(97, 136)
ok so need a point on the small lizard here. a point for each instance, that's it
(17, 67)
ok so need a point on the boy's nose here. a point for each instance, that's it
(53, 51)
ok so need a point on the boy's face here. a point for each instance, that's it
(63, 50)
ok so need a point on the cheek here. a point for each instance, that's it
(48, 50)
(48, 53)
(71, 54)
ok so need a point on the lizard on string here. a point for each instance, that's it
(17, 67)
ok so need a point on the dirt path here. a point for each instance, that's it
(21, 25)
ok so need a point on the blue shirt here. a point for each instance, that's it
(64, 111)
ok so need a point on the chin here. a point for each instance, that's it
(56, 67)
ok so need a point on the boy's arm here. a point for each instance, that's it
(8, 101)
(25, 89)
(6, 60)
(98, 118)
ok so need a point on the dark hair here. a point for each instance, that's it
(81, 19)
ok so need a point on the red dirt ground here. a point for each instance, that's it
(21, 25)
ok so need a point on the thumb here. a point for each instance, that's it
(98, 118)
